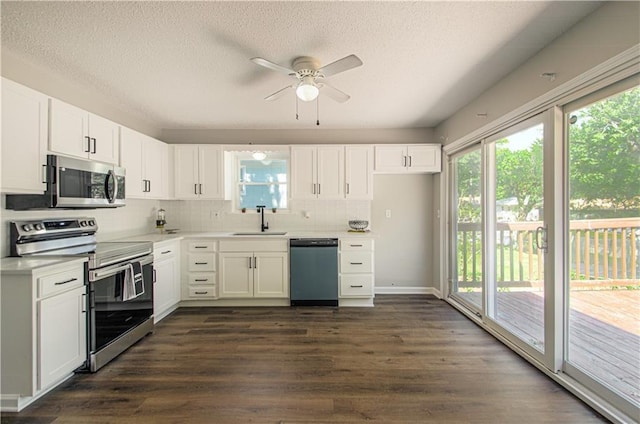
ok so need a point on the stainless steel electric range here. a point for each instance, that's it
(115, 320)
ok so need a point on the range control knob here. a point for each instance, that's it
(27, 227)
(83, 223)
(92, 222)
(39, 227)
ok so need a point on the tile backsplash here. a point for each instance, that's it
(303, 215)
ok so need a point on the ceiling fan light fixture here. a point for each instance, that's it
(259, 155)
(307, 90)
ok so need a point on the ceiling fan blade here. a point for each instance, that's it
(341, 65)
(278, 94)
(337, 95)
(273, 66)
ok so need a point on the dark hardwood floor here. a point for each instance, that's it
(411, 359)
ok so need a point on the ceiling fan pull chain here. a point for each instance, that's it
(318, 110)
(296, 108)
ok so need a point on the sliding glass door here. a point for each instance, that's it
(467, 230)
(603, 288)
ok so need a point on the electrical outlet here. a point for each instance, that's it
(387, 213)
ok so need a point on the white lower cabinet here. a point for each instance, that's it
(199, 274)
(356, 271)
(257, 268)
(166, 290)
(43, 319)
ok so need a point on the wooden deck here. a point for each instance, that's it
(604, 336)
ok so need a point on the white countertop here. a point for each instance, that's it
(26, 265)
(156, 237)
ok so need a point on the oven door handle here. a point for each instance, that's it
(99, 274)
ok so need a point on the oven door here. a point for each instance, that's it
(83, 183)
(110, 317)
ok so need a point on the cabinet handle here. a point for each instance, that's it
(250, 263)
(200, 185)
(165, 252)
(319, 189)
(314, 188)
(88, 144)
(356, 287)
(149, 189)
(355, 263)
(201, 263)
(201, 280)
(84, 303)
(144, 188)
(195, 189)
(201, 292)
(59, 283)
(347, 188)
(410, 157)
(154, 276)
(255, 263)
(95, 146)
(355, 245)
(199, 247)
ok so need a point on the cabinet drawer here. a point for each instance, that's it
(208, 292)
(202, 279)
(356, 244)
(201, 246)
(165, 251)
(356, 262)
(356, 285)
(60, 282)
(201, 262)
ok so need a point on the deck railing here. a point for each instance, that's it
(602, 252)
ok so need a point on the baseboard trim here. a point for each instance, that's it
(408, 290)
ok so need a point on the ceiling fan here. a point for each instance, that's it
(311, 77)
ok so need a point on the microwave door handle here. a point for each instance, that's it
(111, 176)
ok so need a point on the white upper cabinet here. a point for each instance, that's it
(147, 162)
(76, 132)
(359, 172)
(198, 171)
(416, 158)
(317, 172)
(24, 139)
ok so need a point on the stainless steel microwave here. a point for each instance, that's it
(75, 184)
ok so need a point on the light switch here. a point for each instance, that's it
(387, 213)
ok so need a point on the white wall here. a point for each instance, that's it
(608, 31)
(404, 242)
(137, 217)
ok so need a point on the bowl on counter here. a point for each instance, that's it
(358, 224)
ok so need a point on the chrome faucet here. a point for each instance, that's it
(263, 226)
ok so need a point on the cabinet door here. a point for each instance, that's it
(131, 158)
(391, 158)
(186, 171)
(164, 290)
(154, 158)
(424, 158)
(68, 129)
(104, 139)
(271, 275)
(330, 169)
(61, 335)
(236, 275)
(210, 165)
(24, 138)
(303, 172)
(358, 172)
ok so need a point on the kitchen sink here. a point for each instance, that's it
(258, 233)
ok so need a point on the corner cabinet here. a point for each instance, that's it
(76, 132)
(412, 158)
(166, 265)
(254, 268)
(147, 162)
(198, 171)
(317, 172)
(43, 329)
(24, 139)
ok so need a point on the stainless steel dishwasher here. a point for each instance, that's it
(314, 272)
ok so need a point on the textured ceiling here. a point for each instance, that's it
(186, 64)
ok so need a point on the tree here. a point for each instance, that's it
(604, 147)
